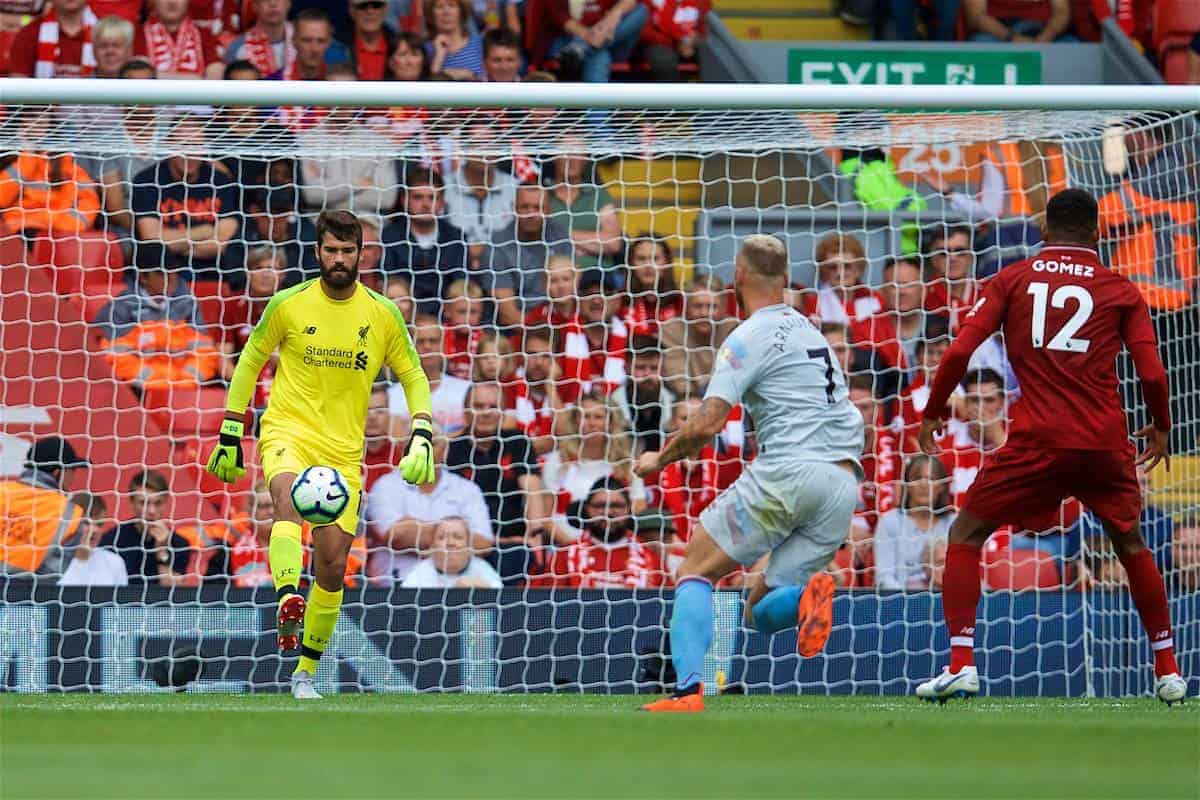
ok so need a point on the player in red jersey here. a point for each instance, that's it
(1065, 316)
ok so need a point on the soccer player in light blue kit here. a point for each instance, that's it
(795, 501)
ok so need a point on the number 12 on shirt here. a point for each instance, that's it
(1064, 339)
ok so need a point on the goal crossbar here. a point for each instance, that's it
(673, 96)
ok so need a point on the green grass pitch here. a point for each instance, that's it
(550, 746)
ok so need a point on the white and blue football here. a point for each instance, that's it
(320, 495)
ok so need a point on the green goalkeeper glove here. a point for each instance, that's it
(417, 465)
(226, 461)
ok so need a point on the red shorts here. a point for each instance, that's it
(1025, 487)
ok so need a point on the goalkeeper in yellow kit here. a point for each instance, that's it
(333, 335)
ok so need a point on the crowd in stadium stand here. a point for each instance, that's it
(456, 40)
(557, 345)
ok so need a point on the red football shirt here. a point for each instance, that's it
(1065, 316)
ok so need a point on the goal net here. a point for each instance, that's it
(566, 275)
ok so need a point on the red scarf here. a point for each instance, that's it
(183, 52)
(48, 50)
(260, 51)
(460, 347)
(533, 412)
(582, 369)
(647, 312)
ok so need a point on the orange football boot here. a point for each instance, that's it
(815, 615)
(288, 620)
(691, 702)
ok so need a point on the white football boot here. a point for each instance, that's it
(964, 684)
(302, 687)
(1170, 689)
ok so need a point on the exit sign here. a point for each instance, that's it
(868, 66)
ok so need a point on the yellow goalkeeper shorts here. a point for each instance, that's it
(279, 455)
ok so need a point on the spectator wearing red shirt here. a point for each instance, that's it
(672, 34)
(983, 431)
(231, 316)
(248, 566)
(654, 296)
(596, 340)
(112, 42)
(268, 45)
(607, 554)
(532, 397)
(915, 395)
(1021, 21)
(462, 320)
(592, 34)
(881, 453)
(950, 283)
(561, 282)
(952, 288)
(58, 45)
(370, 44)
(903, 294)
(382, 452)
(686, 487)
(842, 296)
(175, 45)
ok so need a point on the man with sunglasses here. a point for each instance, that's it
(368, 41)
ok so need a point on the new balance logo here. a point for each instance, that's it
(310, 330)
(967, 632)
(360, 360)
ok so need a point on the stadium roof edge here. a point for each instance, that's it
(670, 96)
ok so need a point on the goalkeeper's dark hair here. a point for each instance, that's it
(979, 376)
(1072, 217)
(340, 225)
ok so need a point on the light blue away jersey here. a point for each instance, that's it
(781, 368)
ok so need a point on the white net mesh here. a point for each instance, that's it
(576, 263)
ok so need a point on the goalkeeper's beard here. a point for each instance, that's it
(338, 279)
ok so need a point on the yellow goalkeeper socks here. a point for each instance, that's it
(319, 621)
(285, 556)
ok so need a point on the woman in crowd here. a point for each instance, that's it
(594, 442)
(903, 534)
(452, 48)
(653, 295)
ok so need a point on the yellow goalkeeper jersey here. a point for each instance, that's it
(330, 352)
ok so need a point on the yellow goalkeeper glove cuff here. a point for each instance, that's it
(417, 465)
(226, 461)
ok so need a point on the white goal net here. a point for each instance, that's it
(566, 276)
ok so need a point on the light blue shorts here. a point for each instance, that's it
(799, 512)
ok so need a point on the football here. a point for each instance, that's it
(320, 495)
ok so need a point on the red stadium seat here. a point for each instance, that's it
(187, 412)
(1175, 19)
(1175, 23)
(1019, 570)
(88, 268)
(6, 40)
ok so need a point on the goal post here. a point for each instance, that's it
(144, 225)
